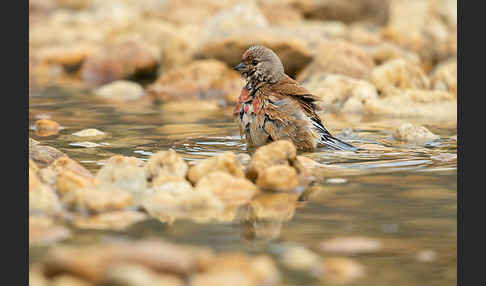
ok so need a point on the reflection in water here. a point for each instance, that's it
(408, 186)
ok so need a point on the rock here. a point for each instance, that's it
(121, 160)
(116, 220)
(43, 155)
(176, 44)
(241, 269)
(91, 132)
(279, 178)
(385, 51)
(350, 245)
(173, 200)
(36, 277)
(444, 77)
(444, 157)
(166, 166)
(339, 57)
(398, 74)
(69, 56)
(86, 144)
(41, 197)
(414, 103)
(424, 27)
(233, 191)
(348, 11)
(124, 175)
(299, 258)
(426, 255)
(98, 199)
(120, 90)
(65, 164)
(43, 231)
(93, 262)
(136, 275)
(340, 92)
(336, 181)
(202, 79)
(409, 132)
(226, 162)
(276, 153)
(293, 47)
(69, 181)
(119, 61)
(193, 12)
(46, 127)
(68, 280)
(341, 270)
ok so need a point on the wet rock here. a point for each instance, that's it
(279, 178)
(173, 200)
(336, 181)
(116, 220)
(120, 90)
(240, 269)
(69, 181)
(276, 153)
(293, 47)
(231, 190)
(350, 245)
(202, 79)
(410, 132)
(43, 231)
(68, 280)
(91, 132)
(61, 165)
(426, 255)
(444, 157)
(135, 275)
(444, 77)
(69, 56)
(86, 144)
(348, 11)
(339, 57)
(398, 73)
(120, 160)
(340, 92)
(166, 166)
(118, 61)
(93, 262)
(98, 199)
(299, 258)
(424, 27)
(46, 127)
(226, 162)
(341, 270)
(36, 277)
(414, 103)
(123, 175)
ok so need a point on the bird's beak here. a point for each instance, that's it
(240, 67)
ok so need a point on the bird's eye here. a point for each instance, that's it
(254, 62)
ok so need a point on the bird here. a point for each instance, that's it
(272, 106)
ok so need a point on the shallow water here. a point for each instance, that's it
(401, 193)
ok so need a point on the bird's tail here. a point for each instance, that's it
(337, 144)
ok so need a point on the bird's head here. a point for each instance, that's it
(261, 64)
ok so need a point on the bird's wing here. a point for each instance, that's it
(306, 100)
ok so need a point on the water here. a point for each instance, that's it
(400, 193)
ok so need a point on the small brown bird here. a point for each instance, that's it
(273, 106)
